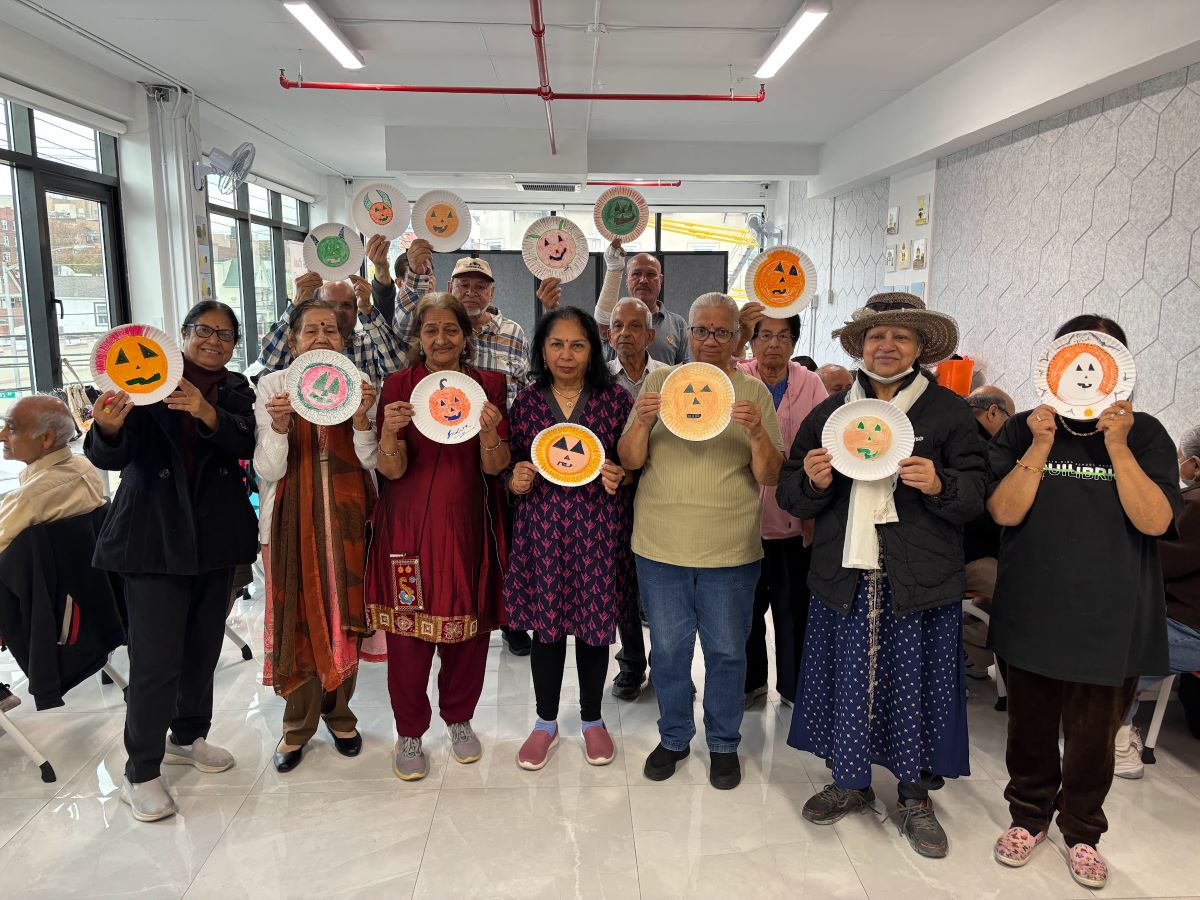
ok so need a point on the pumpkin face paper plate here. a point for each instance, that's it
(555, 247)
(325, 387)
(380, 208)
(568, 454)
(621, 212)
(783, 280)
(697, 400)
(1084, 372)
(140, 360)
(333, 250)
(867, 439)
(442, 218)
(447, 406)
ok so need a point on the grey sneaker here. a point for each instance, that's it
(409, 762)
(8, 700)
(148, 800)
(752, 697)
(833, 802)
(204, 756)
(464, 744)
(917, 822)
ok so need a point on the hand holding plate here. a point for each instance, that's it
(611, 475)
(919, 472)
(549, 293)
(1042, 424)
(1116, 422)
(818, 466)
(748, 415)
(397, 415)
(361, 422)
(279, 408)
(110, 412)
(523, 474)
(647, 407)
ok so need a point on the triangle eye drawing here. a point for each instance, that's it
(689, 390)
(578, 448)
(706, 390)
(121, 358)
(560, 444)
(147, 353)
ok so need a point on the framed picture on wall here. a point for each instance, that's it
(919, 253)
(893, 220)
(889, 258)
(902, 257)
(923, 209)
(917, 288)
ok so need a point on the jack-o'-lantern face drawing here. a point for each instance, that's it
(569, 454)
(620, 215)
(867, 437)
(333, 251)
(380, 212)
(448, 405)
(136, 365)
(556, 249)
(441, 219)
(1082, 375)
(779, 279)
(697, 400)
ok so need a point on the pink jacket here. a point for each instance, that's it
(805, 390)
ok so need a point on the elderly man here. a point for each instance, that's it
(835, 378)
(56, 483)
(374, 349)
(644, 278)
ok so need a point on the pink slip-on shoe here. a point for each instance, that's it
(535, 752)
(598, 746)
(1087, 866)
(1015, 846)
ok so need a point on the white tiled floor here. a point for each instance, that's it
(344, 828)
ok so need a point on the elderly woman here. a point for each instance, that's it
(570, 573)
(439, 515)
(1079, 611)
(881, 682)
(181, 522)
(316, 489)
(697, 546)
(786, 541)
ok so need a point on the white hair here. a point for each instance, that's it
(715, 300)
(1189, 444)
(626, 301)
(53, 418)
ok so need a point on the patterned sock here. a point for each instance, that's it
(551, 728)
(599, 723)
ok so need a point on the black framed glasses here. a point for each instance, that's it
(228, 335)
(765, 337)
(700, 333)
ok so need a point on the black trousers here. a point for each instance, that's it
(547, 662)
(176, 626)
(782, 587)
(631, 657)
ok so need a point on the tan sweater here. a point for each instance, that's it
(60, 485)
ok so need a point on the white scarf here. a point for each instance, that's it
(873, 502)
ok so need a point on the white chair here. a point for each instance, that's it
(970, 609)
(1161, 695)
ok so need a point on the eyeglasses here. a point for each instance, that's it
(723, 335)
(784, 337)
(228, 335)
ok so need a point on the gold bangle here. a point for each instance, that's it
(1029, 468)
(490, 449)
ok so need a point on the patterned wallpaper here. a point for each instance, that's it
(1096, 210)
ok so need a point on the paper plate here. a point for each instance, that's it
(442, 218)
(555, 247)
(380, 208)
(447, 406)
(783, 279)
(567, 454)
(867, 439)
(143, 361)
(697, 400)
(621, 212)
(325, 387)
(333, 250)
(1084, 372)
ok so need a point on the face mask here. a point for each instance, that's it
(879, 379)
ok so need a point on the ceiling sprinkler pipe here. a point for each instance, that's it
(634, 183)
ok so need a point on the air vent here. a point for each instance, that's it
(559, 187)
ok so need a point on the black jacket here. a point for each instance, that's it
(58, 615)
(160, 523)
(923, 554)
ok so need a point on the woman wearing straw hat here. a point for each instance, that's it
(881, 681)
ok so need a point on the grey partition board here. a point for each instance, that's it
(515, 286)
(688, 274)
(583, 291)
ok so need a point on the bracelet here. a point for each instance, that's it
(383, 452)
(1041, 472)
(496, 446)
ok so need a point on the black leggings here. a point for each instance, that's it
(547, 662)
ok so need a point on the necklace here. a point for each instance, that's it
(565, 395)
(1070, 430)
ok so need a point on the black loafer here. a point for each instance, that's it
(286, 761)
(519, 642)
(660, 764)
(725, 772)
(627, 686)
(347, 746)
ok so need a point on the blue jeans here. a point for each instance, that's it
(718, 604)
(1183, 648)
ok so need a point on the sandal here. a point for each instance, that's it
(1015, 846)
(1087, 866)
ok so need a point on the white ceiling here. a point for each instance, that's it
(866, 54)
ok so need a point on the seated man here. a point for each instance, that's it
(56, 483)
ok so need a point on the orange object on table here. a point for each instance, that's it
(955, 374)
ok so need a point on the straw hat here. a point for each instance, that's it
(938, 331)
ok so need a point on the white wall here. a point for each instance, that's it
(903, 191)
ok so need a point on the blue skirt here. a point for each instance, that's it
(881, 690)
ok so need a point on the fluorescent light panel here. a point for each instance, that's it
(803, 24)
(324, 30)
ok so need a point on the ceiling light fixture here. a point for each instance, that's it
(320, 26)
(810, 15)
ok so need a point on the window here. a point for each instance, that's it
(16, 371)
(3, 124)
(217, 196)
(713, 231)
(499, 229)
(264, 278)
(290, 208)
(100, 314)
(66, 142)
(227, 275)
(259, 200)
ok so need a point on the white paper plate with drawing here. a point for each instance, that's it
(1083, 373)
(697, 401)
(555, 247)
(447, 406)
(567, 454)
(621, 212)
(783, 279)
(380, 208)
(325, 387)
(442, 218)
(333, 250)
(867, 439)
(141, 360)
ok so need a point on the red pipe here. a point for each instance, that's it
(538, 26)
(635, 183)
(683, 98)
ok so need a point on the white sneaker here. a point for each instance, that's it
(149, 800)
(1128, 753)
(204, 756)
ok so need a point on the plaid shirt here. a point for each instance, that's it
(374, 348)
(500, 345)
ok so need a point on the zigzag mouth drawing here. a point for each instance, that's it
(143, 381)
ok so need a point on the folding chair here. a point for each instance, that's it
(1161, 695)
(970, 609)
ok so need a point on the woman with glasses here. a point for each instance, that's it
(181, 522)
(786, 541)
(697, 545)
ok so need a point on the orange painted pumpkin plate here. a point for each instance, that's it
(447, 406)
(697, 401)
(1081, 374)
(140, 360)
(442, 218)
(567, 454)
(867, 439)
(783, 279)
(380, 208)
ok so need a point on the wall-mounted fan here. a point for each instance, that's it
(233, 168)
(763, 231)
